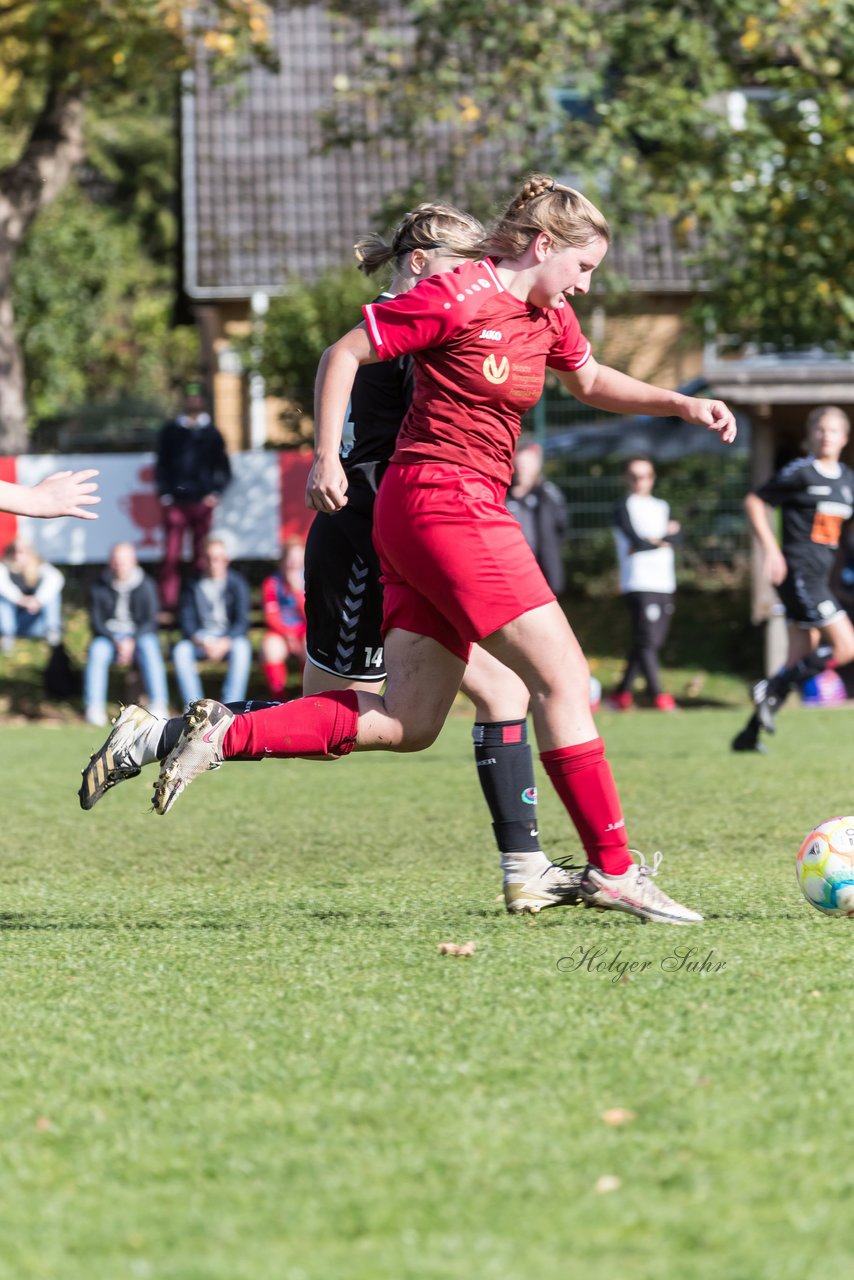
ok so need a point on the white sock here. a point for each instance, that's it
(519, 867)
(144, 749)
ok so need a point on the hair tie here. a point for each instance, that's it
(552, 186)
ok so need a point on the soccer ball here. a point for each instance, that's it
(825, 867)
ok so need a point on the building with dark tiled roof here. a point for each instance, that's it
(264, 200)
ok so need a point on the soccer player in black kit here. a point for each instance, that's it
(815, 495)
(343, 592)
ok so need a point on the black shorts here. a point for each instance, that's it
(808, 599)
(343, 597)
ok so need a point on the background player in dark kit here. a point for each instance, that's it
(342, 575)
(815, 495)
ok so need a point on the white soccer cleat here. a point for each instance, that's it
(635, 892)
(197, 750)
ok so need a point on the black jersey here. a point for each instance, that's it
(814, 507)
(380, 397)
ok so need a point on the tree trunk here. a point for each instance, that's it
(55, 147)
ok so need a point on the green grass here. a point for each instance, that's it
(231, 1050)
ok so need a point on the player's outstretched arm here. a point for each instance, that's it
(605, 388)
(65, 493)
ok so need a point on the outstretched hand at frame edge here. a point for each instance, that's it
(65, 493)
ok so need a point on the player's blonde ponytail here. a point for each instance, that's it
(427, 227)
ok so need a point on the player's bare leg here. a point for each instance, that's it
(315, 680)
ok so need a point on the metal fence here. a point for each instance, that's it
(586, 452)
(715, 551)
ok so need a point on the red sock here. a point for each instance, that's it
(323, 725)
(582, 778)
(276, 677)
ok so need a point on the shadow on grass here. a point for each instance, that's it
(753, 916)
(11, 921)
(334, 915)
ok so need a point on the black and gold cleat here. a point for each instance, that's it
(122, 755)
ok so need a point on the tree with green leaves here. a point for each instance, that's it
(731, 117)
(63, 65)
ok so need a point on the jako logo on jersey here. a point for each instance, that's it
(494, 371)
(529, 795)
(494, 335)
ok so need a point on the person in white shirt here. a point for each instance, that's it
(30, 596)
(644, 534)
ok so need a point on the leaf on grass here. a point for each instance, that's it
(43, 1125)
(607, 1182)
(615, 1116)
(457, 948)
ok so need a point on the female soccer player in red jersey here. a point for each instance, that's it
(456, 567)
(342, 626)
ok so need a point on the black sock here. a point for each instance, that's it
(801, 671)
(505, 768)
(172, 728)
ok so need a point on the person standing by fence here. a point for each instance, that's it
(540, 508)
(192, 472)
(645, 534)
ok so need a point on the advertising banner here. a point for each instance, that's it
(262, 507)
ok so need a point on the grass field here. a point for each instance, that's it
(232, 1050)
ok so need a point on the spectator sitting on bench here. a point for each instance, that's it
(283, 601)
(214, 618)
(123, 616)
(30, 596)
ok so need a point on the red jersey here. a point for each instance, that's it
(480, 357)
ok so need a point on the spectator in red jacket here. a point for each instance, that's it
(283, 600)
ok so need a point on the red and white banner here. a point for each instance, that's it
(263, 505)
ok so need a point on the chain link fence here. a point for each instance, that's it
(703, 480)
(715, 551)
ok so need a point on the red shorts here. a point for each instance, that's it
(455, 563)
